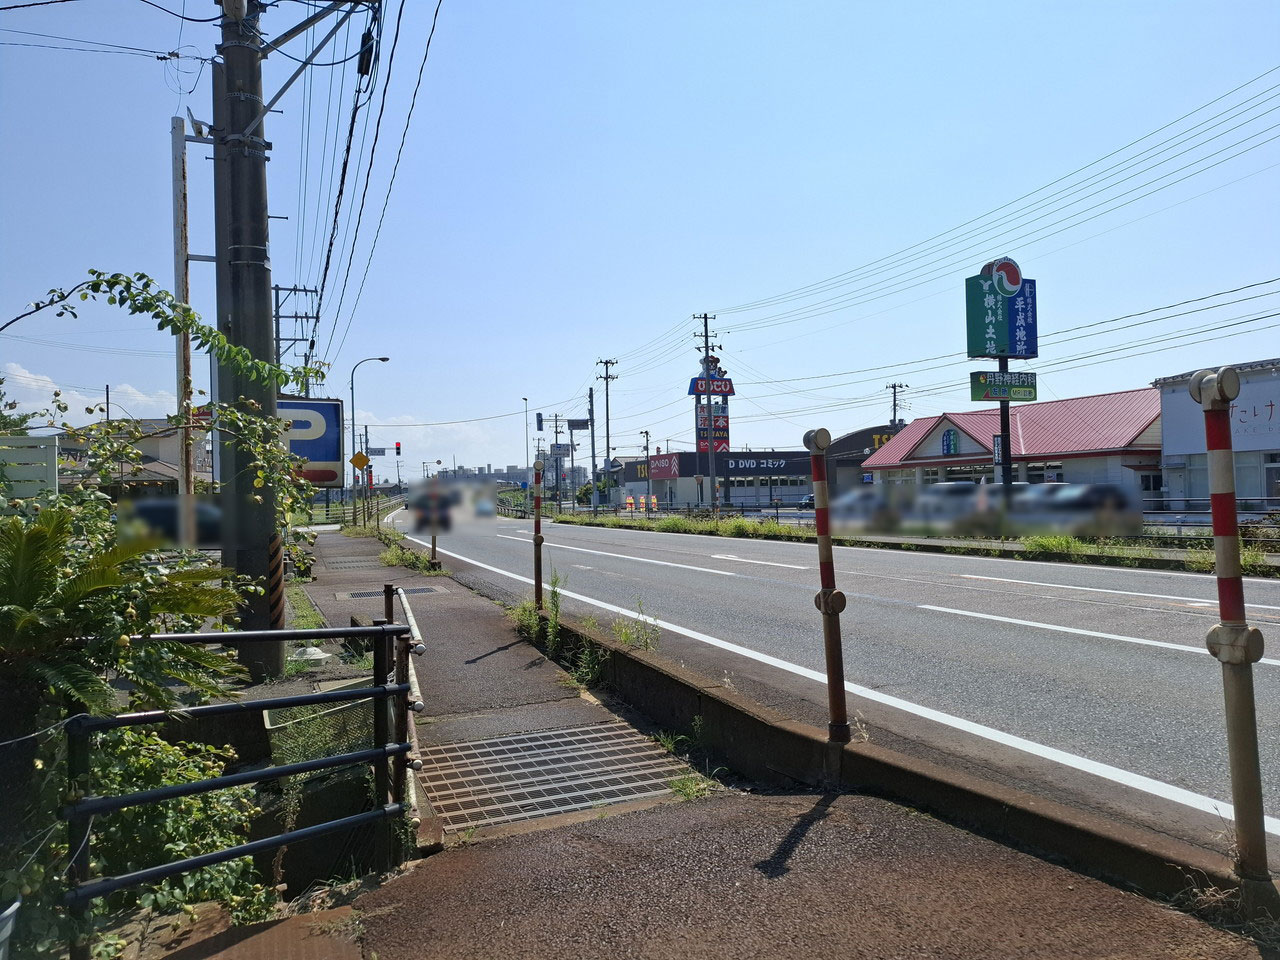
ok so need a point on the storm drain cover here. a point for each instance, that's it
(353, 563)
(368, 594)
(522, 777)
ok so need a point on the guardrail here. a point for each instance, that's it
(391, 707)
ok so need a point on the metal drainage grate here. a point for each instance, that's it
(353, 563)
(369, 594)
(532, 775)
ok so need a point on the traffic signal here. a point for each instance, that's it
(539, 416)
(397, 448)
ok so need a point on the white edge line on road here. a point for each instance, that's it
(620, 556)
(1105, 771)
(1123, 593)
(1185, 648)
(763, 563)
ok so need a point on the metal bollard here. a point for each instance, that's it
(828, 600)
(1232, 641)
(537, 534)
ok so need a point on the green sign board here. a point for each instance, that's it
(1000, 312)
(994, 385)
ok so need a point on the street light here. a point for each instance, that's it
(356, 484)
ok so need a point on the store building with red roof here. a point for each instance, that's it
(1107, 438)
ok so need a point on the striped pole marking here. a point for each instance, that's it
(1222, 506)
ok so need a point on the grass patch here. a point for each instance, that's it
(585, 667)
(526, 619)
(673, 743)
(398, 555)
(305, 614)
(1059, 543)
(635, 634)
(692, 786)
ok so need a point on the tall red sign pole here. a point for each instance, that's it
(537, 534)
(828, 600)
(1232, 641)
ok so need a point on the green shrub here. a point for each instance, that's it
(1059, 543)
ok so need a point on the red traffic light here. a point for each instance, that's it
(397, 448)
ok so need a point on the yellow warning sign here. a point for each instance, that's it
(359, 460)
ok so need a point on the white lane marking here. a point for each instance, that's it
(763, 563)
(1105, 771)
(1197, 601)
(1056, 564)
(623, 556)
(1185, 648)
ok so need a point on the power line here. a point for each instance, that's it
(394, 169)
(807, 287)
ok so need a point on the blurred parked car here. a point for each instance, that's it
(160, 516)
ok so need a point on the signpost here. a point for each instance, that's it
(995, 385)
(1001, 322)
(377, 451)
(561, 450)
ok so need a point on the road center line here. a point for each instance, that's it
(622, 556)
(1185, 648)
(763, 563)
(1123, 593)
(1105, 771)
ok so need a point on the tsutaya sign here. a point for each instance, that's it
(997, 385)
(1000, 312)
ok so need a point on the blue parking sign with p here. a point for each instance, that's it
(316, 436)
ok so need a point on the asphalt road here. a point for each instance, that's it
(1087, 684)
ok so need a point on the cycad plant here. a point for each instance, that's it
(71, 605)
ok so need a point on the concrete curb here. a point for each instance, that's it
(1010, 553)
(763, 745)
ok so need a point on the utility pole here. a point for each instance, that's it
(559, 461)
(251, 540)
(182, 292)
(280, 296)
(595, 481)
(608, 449)
(648, 481)
(895, 387)
(706, 375)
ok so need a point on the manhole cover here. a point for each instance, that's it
(353, 563)
(369, 594)
(531, 775)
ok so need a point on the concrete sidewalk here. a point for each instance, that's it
(740, 873)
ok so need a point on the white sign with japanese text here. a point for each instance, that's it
(1255, 416)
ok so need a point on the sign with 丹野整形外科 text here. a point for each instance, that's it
(1001, 385)
(950, 441)
(1000, 312)
(997, 450)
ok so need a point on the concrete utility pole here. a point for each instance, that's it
(595, 481)
(608, 449)
(251, 538)
(181, 290)
(895, 387)
(706, 375)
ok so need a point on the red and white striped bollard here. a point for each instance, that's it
(1232, 641)
(828, 600)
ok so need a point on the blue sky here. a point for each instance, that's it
(580, 178)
